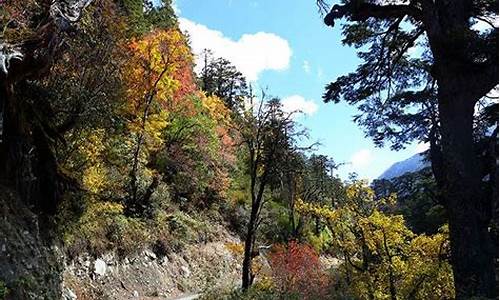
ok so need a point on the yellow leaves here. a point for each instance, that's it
(316, 210)
(393, 253)
(94, 178)
(360, 190)
(94, 175)
(216, 108)
(102, 208)
(94, 146)
(235, 248)
(154, 127)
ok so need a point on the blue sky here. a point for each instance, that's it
(283, 45)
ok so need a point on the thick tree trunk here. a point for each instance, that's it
(15, 163)
(468, 207)
(27, 160)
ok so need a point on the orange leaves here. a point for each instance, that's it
(297, 270)
(185, 130)
(157, 77)
(161, 67)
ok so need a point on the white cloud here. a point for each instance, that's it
(251, 54)
(421, 147)
(297, 103)
(362, 158)
(306, 67)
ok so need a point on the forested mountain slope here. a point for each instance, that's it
(124, 174)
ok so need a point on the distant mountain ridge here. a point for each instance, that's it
(413, 164)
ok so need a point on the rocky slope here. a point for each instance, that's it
(149, 276)
(30, 265)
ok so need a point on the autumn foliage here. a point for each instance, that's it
(297, 271)
(381, 257)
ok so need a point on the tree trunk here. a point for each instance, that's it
(247, 277)
(27, 160)
(468, 207)
(15, 163)
(291, 203)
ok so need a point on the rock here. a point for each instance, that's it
(100, 267)
(186, 271)
(68, 294)
(150, 254)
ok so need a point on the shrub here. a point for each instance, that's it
(258, 291)
(3, 290)
(297, 271)
(103, 227)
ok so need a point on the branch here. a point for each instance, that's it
(355, 11)
(60, 15)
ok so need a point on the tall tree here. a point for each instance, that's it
(458, 67)
(219, 77)
(262, 131)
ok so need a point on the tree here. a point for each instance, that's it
(382, 258)
(418, 200)
(459, 67)
(152, 85)
(262, 131)
(316, 183)
(297, 272)
(219, 77)
(27, 156)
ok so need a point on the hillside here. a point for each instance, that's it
(144, 156)
(413, 164)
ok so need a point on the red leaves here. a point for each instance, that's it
(297, 270)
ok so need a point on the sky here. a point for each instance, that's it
(284, 47)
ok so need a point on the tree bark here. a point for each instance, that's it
(27, 158)
(15, 163)
(247, 277)
(468, 207)
(462, 79)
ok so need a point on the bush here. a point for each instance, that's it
(297, 271)
(102, 228)
(3, 290)
(258, 291)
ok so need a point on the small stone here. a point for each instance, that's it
(186, 271)
(150, 254)
(100, 267)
